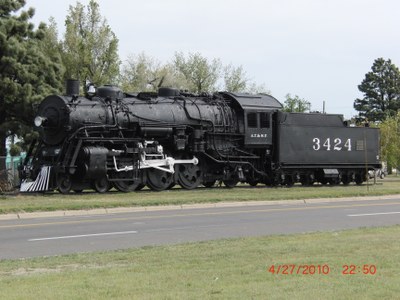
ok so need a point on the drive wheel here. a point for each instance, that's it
(158, 180)
(64, 183)
(189, 176)
(231, 183)
(125, 185)
(209, 184)
(101, 185)
(252, 182)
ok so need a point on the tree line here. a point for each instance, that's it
(35, 63)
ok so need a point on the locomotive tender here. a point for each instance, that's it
(127, 141)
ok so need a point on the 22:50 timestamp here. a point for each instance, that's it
(355, 269)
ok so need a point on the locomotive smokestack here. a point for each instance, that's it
(72, 87)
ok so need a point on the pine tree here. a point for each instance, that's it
(381, 88)
(26, 73)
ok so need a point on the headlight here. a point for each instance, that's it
(39, 121)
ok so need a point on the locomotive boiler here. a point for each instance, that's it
(109, 138)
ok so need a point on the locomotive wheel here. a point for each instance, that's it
(252, 182)
(230, 183)
(140, 187)
(324, 181)
(158, 180)
(346, 179)
(209, 184)
(334, 181)
(124, 185)
(189, 176)
(289, 181)
(101, 185)
(306, 181)
(359, 179)
(64, 183)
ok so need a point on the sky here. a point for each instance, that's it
(319, 50)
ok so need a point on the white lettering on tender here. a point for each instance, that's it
(325, 144)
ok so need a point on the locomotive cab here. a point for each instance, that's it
(258, 128)
(257, 111)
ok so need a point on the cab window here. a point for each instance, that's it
(252, 120)
(264, 120)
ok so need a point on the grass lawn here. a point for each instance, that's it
(223, 269)
(89, 200)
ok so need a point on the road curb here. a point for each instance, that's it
(117, 210)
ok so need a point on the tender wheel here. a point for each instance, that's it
(359, 179)
(305, 181)
(324, 181)
(101, 185)
(209, 184)
(124, 185)
(334, 181)
(346, 180)
(158, 180)
(289, 180)
(189, 176)
(64, 183)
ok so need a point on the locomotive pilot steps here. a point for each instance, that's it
(128, 141)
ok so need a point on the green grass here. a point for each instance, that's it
(223, 269)
(90, 200)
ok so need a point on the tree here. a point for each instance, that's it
(50, 45)
(90, 46)
(381, 89)
(26, 73)
(144, 73)
(254, 88)
(390, 140)
(200, 73)
(296, 104)
(235, 79)
(194, 74)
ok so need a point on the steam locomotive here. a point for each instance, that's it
(109, 138)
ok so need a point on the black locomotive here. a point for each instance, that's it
(113, 139)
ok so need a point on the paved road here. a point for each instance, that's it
(61, 235)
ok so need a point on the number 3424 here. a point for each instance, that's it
(334, 144)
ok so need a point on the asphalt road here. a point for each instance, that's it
(61, 235)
